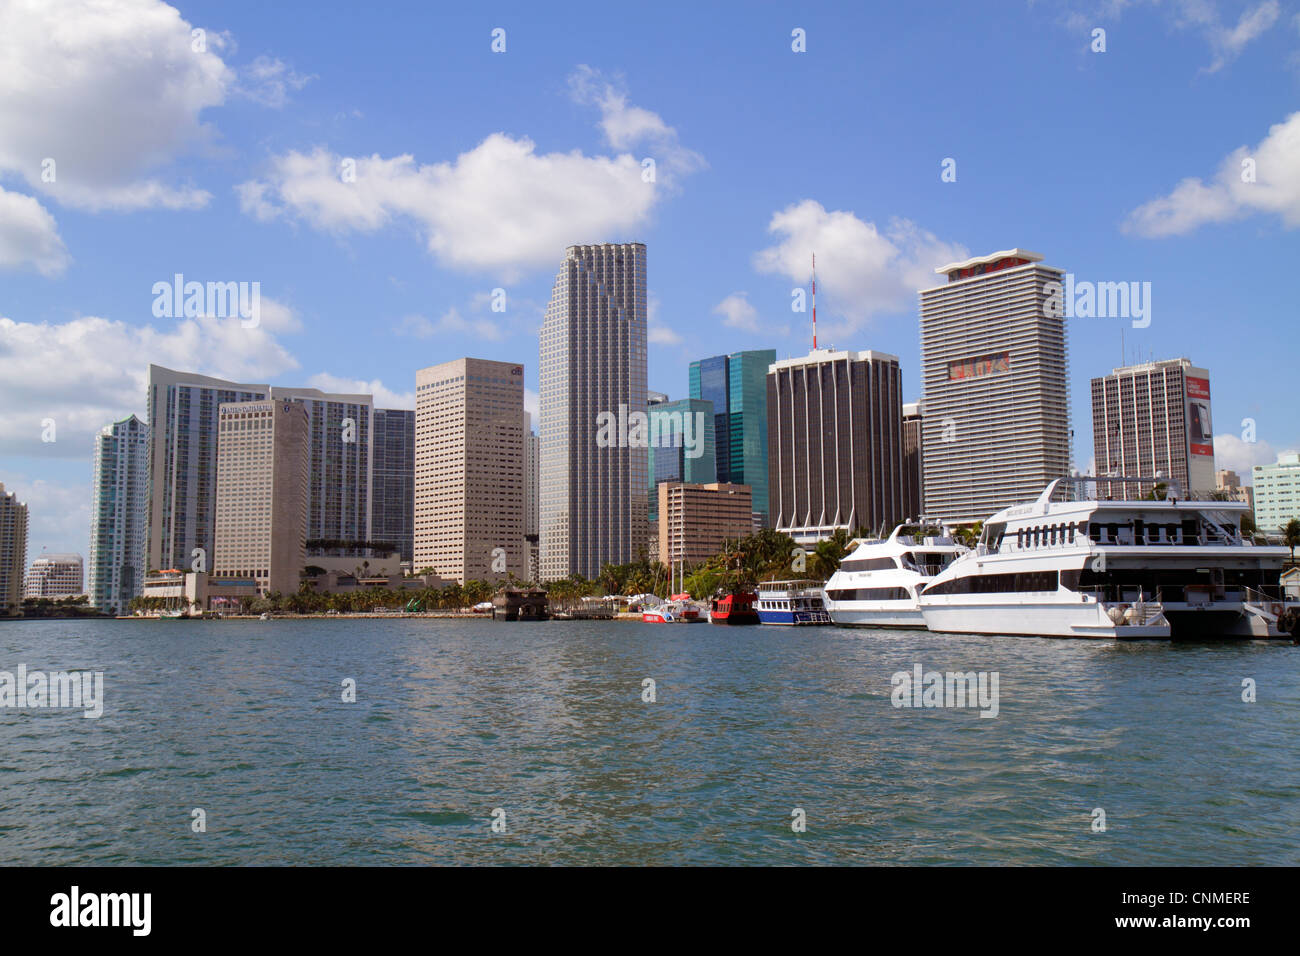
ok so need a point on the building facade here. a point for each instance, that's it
(55, 576)
(913, 469)
(696, 519)
(392, 509)
(119, 515)
(1277, 493)
(532, 461)
(835, 443)
(1229, 483)
(736, 384)
(469, 470)
(263, 465)
(682, 448)
(593, 507)
(1154, 420)
(13, 550)
(994, 362)
(341, 427)
(183, 415)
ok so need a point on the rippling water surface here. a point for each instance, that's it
(546, 722)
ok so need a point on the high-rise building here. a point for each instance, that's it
(119, 515)
(183, 410)
(737, 386)
(341, 427)
(593, 366)
(1229, 482)
(1153, 420)
(13, 550)
(392, 509)
(55, 576)
(1277, 493)
(695, 520)
(469, 470)
(993, 352)
(681, 439)
(263, 464)
(532, 460)
(913, 474)
(835, 443)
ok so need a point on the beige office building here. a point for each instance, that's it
(695, 520)
(263, 461)
(13, 550)
(469, 470)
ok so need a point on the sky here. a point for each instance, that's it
(389, 173)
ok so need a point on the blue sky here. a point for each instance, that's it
(476, 168)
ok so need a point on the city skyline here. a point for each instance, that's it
(1146, 196)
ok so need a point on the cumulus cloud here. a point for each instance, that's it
(110, 91)
(58, 515)
(862, 272)
(737, 312)
(384, 397)
(501, 207)
(90, 371)
(29, 237)
(451, 322)
(1233, 454)
(1275, 163)
(268, 80)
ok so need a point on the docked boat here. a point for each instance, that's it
(879, 583)
(791, 603)
(734, 606)
(520, 604)
(1068, 565)
(678, 609)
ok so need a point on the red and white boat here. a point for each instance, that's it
(678, 609)
(734, 607)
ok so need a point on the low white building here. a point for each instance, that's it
(55, 576)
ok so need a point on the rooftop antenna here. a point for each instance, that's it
(814, 300)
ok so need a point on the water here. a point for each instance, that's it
(454, 719)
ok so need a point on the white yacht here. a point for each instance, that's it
(878, 583)
(1100, 567)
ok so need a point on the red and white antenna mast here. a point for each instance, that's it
(814, 300)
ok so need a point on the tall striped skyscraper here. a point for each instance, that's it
(119, 515)
(997, 410)
(593, 483)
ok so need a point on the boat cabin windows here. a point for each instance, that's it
(1004, 583)
(868, 564)
(869, 594)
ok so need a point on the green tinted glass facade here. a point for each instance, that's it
(740, 419)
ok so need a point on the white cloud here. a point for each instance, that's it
(268, 80)
(1233, 454)
(384, 397)
(29, 237)
(662, 335)
(861, 271)
(90, 371)
(501, 206)
(58, 515)
(451, 322)
(110, 91)
(1192, 203)
(737, 312)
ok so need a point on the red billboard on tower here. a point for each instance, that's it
(1200, 431)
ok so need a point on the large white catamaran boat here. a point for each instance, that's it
(878, 583)
(1130, 568)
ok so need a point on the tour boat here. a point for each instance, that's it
(733, 607)
(791, 603)
(879, 583)
(1114, 568)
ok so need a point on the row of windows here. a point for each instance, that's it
(1005, 583)
(868, 564)
(869, 594)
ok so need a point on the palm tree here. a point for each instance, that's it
(1291, 536)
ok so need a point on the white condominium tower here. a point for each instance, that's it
(993, 353)
(119, 514)
(183, 410)
(593, 506)
(13, 550)
(1154, 419)
(469, 470)
(262, 469)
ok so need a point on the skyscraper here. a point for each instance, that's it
(469, 470)
(913, 475)
(13, 550)
(1154, 419)
(392, 511)
(262, 499)
(532, 461)
(682, 446)
(341, 427)
(183, 410)
(835, 452)
(119, 515)
(737, 386)
(1277, 493)
(593, 365)
(993, 353)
